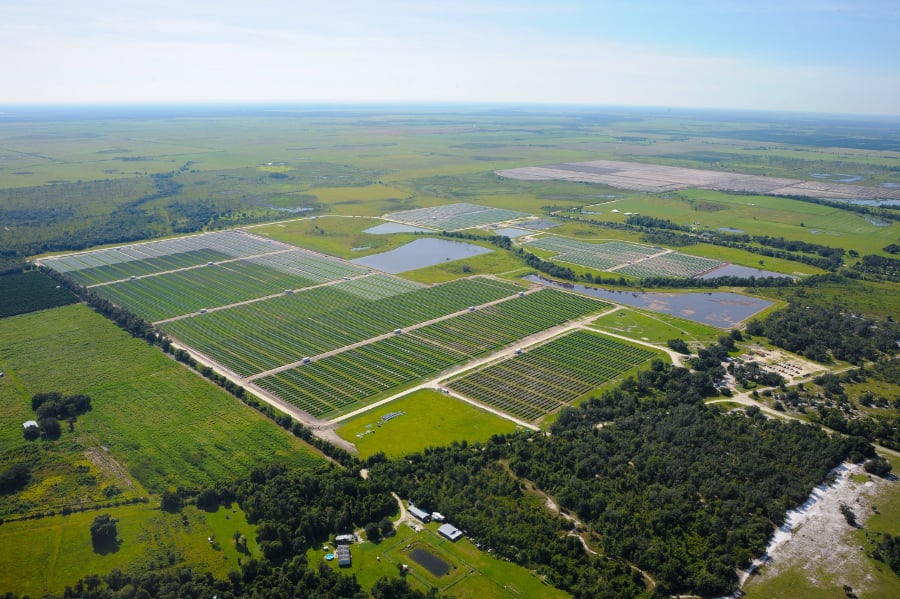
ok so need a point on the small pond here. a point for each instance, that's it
(715, 308)
(730, 230)
(733, 270)
(388, 228)
(421, 253)
(430, 562)
(511, 232)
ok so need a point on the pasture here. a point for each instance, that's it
(55, 552)
(430, 419)
(544, 379)
(164, 424)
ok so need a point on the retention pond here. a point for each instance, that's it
(721, 309)
(421, 253)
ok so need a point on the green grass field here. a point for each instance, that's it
(430, 419)
(165, 424)
(761, 215)
(473, 575)
(55, 552)
(655, 327)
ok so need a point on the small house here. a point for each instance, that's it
(420, 514)
(437, 516)
(29, 423)
(450, 532)
(343, 556)
(345, 539)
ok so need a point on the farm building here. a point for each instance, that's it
(343, 556)
(449, 531)
(437, 516)
(420, 514)
(345, 539)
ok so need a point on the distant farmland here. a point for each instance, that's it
(636, 176)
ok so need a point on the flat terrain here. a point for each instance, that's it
(473, 573)
(658, 178)
(428, 419)
(53, 552)
(166, 425)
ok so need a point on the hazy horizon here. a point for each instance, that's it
(805, 56)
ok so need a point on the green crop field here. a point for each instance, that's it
(164, 424)
(430, 419)
(25, 292)
(549, 377)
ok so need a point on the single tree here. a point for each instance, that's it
(104, 533)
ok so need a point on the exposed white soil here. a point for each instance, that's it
(817, 538)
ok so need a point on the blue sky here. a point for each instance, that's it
(800, 55)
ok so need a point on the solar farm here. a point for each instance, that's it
(545, 379)
(350, 379)
(627, 258)
(455, 217)
(316, 332)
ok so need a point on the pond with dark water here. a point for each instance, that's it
(720, 309)
(430, 562)
(421, 253)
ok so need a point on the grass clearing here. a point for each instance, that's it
(429, 419)
(654, 327)
(54, 552)
(473, 574)
(164, 423)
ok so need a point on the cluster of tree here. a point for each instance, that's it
(547, 267)
(716, 282)
(296, 510)
(892, 248)
(52, 407)
(255, 579)
(873, 265)
(752, 372)
(887, 550)
(104, 534)
(820, 332)
(501, 241)
(650, 222)
(14, 478)
(54, 403)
